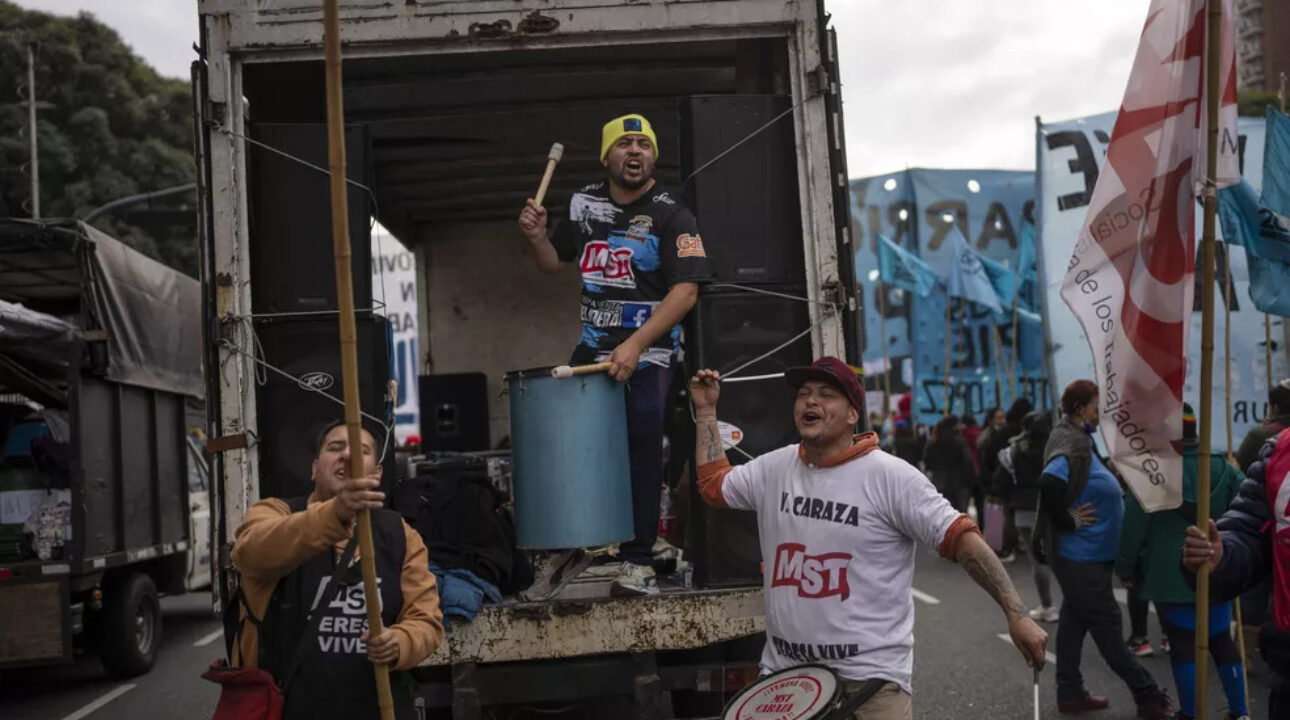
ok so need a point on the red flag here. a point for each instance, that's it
(1130, 279)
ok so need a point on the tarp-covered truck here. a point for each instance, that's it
(452, 106)
(103, 493)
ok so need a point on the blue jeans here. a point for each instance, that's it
(646, 409)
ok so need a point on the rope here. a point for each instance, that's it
(376, 208)
(771, 293)
(746, 138)
(305, 313)
(777, 348)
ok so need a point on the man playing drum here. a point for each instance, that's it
(641, 260)
(822, 506)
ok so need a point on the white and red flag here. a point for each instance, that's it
(1130, 279)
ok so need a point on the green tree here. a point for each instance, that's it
(116, 128)
(1255, 102)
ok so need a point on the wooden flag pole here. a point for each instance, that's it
(1231, 459)
(886, 366)
(1013, 380)
(949, 389)
(1213, 92)
(348, 330)
(1267, 319)
(1001, 365)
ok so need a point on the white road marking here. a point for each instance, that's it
(923, 597)
(1047, 656)
(104, 700)
(207, 640)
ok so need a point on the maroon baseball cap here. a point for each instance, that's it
(834, 372)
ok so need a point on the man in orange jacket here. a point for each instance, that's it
(286, 552)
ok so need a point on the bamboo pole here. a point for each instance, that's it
(348, 330)
(1015, 333)
(1231, 459)
(1267, 319)
(1001, 365)
(949, 389)
(886, 366)
(1213, 91)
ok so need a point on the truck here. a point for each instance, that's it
(450, 107)
(103, 484)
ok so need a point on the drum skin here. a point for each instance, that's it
(805, 692)
(572, 473)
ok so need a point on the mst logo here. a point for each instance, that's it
(604, 265)
(814, 576)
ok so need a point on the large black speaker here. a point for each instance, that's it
(727, 330)
(454, 412)
(292, 266)
(291, 415)
(746, 202)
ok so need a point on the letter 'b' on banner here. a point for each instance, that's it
(1130, 279)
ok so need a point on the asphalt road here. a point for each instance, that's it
(82, 690)
(962, 668)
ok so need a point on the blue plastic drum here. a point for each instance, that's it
(572, 474)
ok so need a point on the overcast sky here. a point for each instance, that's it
(926, 83)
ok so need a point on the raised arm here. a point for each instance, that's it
(709, 454)
(533, 226)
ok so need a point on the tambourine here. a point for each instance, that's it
(804, 692)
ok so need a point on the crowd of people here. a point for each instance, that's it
(1039, 479)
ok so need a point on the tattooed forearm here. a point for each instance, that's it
(983, 565)
(708, 438)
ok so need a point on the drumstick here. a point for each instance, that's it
(557, 152)
(565, 371)
(750, 378)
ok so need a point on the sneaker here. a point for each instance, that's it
(1155, 705)
(1167, 648)
(1047, 613)
(1141, 647)
(1009, 558)
(1088, 703)
(1234, 716)
(634, 580)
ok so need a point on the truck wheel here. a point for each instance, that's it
(131, 626)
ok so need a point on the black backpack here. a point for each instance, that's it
(465, 524)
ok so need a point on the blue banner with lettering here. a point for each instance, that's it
(917, 209)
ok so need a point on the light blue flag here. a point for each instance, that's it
(1276, 162)
(1003, 280)
(1027, 265)
(968, 276)
(1249, 222)
(900, 268)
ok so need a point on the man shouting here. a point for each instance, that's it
(839, 522)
